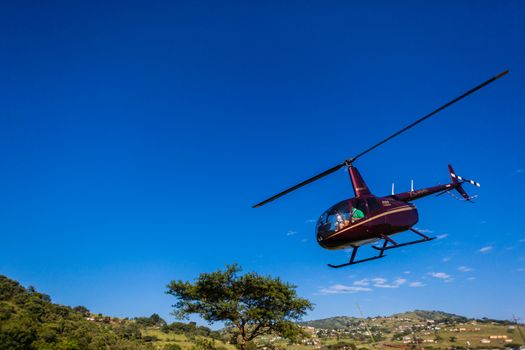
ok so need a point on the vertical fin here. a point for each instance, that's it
(457, 184)
(359, 185)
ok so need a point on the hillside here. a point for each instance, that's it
(337, 322)
(30, 321)
(438, 316)
(340, 322)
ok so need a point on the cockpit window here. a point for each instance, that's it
(358, 209)
(334, 219)
(373, 206)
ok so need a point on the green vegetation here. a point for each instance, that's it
(30, 321)
(251, 305)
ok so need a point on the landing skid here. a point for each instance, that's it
(386, 240)
(353, 261)
(394, 244)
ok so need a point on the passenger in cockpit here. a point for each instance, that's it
(357, 214)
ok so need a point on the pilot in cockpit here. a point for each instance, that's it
(341, 222)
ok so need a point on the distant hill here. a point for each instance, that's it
(438, 316)
(337, 322)
(340, 322)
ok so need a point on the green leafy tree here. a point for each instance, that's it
(153, 321)
(251, 305)
(84, 311)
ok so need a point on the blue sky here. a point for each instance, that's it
(135, 137)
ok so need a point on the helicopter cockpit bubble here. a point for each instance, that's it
(334, 219)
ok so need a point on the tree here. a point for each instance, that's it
(251, 305)
(153, 321)
(84, 311)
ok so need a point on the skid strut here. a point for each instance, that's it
(353, 261)
(394, 244)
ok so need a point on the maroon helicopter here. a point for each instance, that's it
(367, 219)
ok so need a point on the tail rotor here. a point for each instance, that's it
(457, 181)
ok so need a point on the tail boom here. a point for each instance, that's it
(456, 182)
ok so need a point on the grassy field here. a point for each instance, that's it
(182, 340)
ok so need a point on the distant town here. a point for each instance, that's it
(417, 329)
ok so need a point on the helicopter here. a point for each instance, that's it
(366, 218)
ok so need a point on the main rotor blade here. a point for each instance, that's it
(351, 160)
(304, 183)
(430, 114)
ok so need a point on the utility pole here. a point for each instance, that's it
(366, 325)
(516, 320)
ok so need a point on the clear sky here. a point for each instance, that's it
(135, 136)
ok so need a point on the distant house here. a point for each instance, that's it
(497, 337)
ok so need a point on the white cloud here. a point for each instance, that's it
(379, 280)
(464, 269)
(291, 233)
(521, 269)
(444, 235)
(304, 240)
(309, 221)
(519, 171)
(471, 278)
(364, 282)
(441, 275)
(446, 259)
(400, 281)
(522, 240)
(383, 283)
(342, 289)
(406, 272)
(485, 249)
(416, 284)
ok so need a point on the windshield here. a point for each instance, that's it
(334, 219)
(340, 216)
